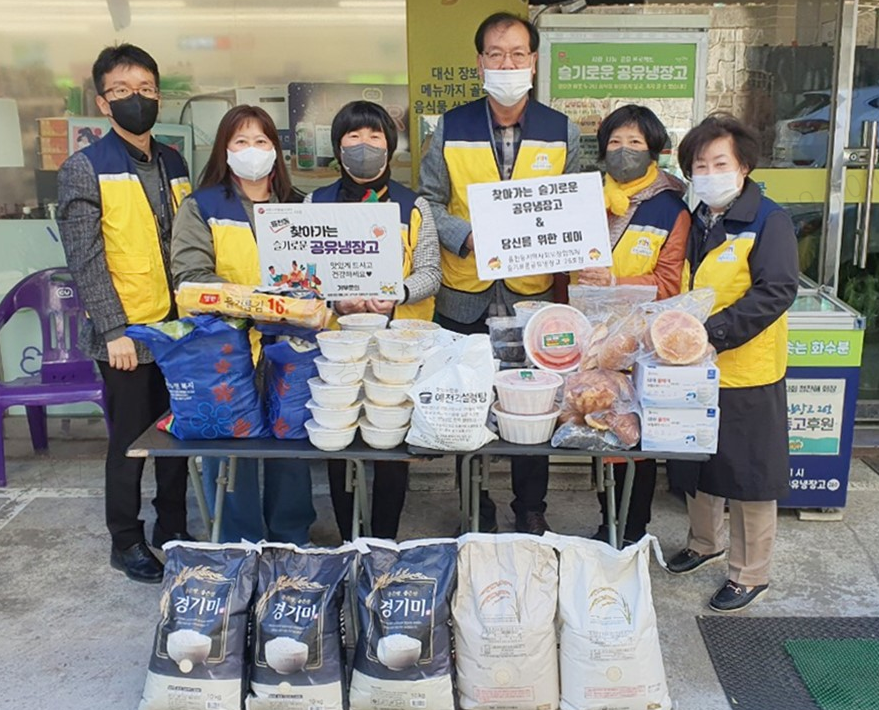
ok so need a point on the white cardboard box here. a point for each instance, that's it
(684, 386)
(680, 430)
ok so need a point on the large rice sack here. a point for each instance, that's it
(504, 618)
(403, 657)
(289, 366)
(208, 368)
(298, 658)
(198, 652)
(610, 655)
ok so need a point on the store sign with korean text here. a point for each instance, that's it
(335, 250)
(539, 225)
(814, 415)
(824, 348)
(638, 71)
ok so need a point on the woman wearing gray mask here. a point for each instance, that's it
(364, 139)
(648, 223)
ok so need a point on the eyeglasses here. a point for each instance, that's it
(123, 92)
(520, 58)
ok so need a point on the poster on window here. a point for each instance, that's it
(814, 415)
(539, 225)
(334, 250)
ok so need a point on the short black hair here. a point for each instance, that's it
(505, 20)
(362, 114)
(122, 55)
(746, 144)
(641, 117)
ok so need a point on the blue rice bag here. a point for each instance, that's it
(289, 366)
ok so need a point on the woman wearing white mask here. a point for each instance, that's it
(743, 246)
(213, 240)
(649, 223)
(364, 139)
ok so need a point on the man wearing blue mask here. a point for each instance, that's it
(117, 200)
(504, 136)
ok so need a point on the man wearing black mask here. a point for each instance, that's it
(117, 200)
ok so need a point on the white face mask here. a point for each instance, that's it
(507, 86)
(251, 163)
(718, 189)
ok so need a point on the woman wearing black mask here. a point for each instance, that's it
(364, 140)
(648, 223)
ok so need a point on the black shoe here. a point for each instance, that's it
(138, 563)
(688, 560)
(735, 597)
(160, 537)
(532, 522)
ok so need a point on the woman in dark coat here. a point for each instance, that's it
(743, 246)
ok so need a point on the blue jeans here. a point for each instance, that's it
(286, 503)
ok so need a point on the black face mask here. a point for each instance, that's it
(135, 114)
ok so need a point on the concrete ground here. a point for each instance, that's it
(76, 634)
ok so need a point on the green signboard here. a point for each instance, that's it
(637, 71)
(824, 348)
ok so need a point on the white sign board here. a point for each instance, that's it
(338, 250)
(539, 225)
(814, 415)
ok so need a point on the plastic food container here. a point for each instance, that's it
(334, 418)
(556, 337)
(329, 439)
(385, 417)
(509, 352)
(525, 428)
(379, 438)
(343, 345)
(400, 345)
(340, 373)
(394, 373)
(504, 329)
(384, 393)
(526, 309)
(428, 331)
(527, 391)
(367, 322)
(333, 396)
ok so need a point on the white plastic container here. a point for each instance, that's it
(384, 393)
(385, 417)
(366, 322)
(527, 391)
(394, 373)
(343, 345)
(525, 428)
(379, 438)
(428, 330)
(340, 373)
(334, 418)
(333, 396)
(329, 439)
(525, 309)
(400, 345)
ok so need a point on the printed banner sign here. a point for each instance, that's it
(824, 348)
(336, 250)
(638, 71)
(539, 225)
(814, 415)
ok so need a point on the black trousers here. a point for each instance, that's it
(641, 501)
(134, 401)
(388, 495)
(529, 474)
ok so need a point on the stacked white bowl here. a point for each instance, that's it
(335, 396)
(526, 409)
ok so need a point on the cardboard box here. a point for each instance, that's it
(680, 430)
(53, 127)
(52, 161)
(53, 144)
(689, 386)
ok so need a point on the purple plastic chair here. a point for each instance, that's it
(66, 376)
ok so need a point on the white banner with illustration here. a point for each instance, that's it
(539, 225)
(335, 250)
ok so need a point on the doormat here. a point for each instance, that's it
(841, 674)
(751, 661)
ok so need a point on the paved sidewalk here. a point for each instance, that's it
(77, 635)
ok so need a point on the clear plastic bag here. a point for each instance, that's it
(602, 431)
(676, 333)
(596, 391)
(601, 304)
